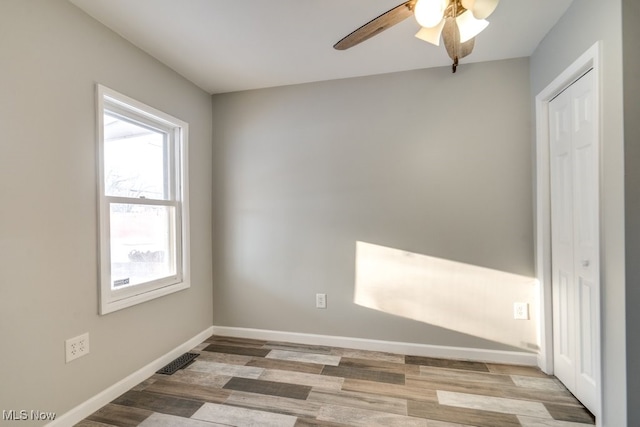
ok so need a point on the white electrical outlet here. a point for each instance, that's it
(521, 311)
(321, 300)
(77, 347)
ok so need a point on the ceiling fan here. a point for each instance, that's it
(457, 22)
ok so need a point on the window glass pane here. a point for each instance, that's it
(134, 160)
(141, 240)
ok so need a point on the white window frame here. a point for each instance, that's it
(110, 299)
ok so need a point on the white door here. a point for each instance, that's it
(575, 238)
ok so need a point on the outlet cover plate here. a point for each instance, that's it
(521, 311)
(321, 300)
(76, 347)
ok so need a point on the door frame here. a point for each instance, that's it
(542, 213)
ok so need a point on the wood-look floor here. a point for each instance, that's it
(240, 382)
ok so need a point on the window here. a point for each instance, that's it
(142, 202)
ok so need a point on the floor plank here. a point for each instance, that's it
(367, 418)
(353, 399)
(493, 404)
(225, 369)
(300, 348)
(270, 388)
(235, 416)
(234, 349)
(380, 365)
(236, 342)
(89, 423)
(281, 405)
(298, 356)
(392, 390)
(159, 403)
(164, 420)
(286, 365)
(363, 374)
(474, 417)
(119, 415)
(198, 378)
(189, 391)
(446, 363)
(301, 378)
(570, 413)
(529, 371)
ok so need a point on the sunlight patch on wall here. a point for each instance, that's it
(473, 300)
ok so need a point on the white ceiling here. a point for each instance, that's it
(232, 45)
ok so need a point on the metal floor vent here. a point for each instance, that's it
(179, 363)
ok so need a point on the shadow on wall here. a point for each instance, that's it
(466, 298)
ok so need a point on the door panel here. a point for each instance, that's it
(565, 326)
(585, 206)
(586, 314)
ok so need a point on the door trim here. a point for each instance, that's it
(542, 213)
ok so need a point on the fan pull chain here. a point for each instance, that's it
(454, 66)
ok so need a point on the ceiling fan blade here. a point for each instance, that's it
(451, 38)
(377, 25)
(467, 47)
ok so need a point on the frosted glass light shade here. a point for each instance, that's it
(431, 35)
(481, 9)
(467, 4)
(469, 26)
(429, 13)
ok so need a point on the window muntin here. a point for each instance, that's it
(143, 203)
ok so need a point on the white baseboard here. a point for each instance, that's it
(88, 407)
(461, 353)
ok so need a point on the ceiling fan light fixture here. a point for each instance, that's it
(481, 9)
(454, 22)
(429, 13)
(431, 35)
(469, 26)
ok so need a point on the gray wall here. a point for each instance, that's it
(630, 37)
(423, 161)
(586, 22)
(51, 57)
